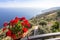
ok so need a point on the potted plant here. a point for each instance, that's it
(17, 28)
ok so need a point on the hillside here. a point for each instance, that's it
(48, 21)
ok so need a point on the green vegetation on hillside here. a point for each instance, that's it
(48, 22)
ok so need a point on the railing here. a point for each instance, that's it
(43, 36)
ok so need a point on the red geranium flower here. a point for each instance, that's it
(13, 36)
(15, 21)
(11, 22)
(25, 29)
(28, 25)
(16, 18)
(22, 23)
(5, 24)
(8, 33)
(25, 21)
(23, 18)
(19, 18)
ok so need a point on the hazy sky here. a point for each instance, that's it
(29, 3)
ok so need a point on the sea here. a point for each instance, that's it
(6, 14)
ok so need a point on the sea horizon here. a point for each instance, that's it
(7, 14)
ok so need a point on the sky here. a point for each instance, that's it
(44, 4)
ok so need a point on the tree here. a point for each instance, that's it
(43, 23)
(55, 27)
(58, 13)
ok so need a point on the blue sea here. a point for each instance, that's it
(7, 14)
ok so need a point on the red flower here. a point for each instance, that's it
(28, 25)
(22, 23)
(25, 21)
(11, 22)
(16, 18)
(8, 33)
(15, 21)
(23, 18)
(25, 29)
(13, 36)
(4, 28)
(5, 24)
